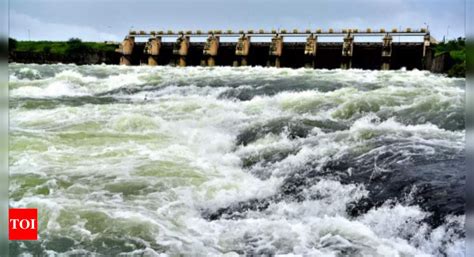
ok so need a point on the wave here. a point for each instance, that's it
(238, 161)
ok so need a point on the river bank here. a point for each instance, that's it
(73, 51)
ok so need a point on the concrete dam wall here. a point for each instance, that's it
(366, 55)
(349, 53)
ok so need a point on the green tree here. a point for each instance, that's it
(74, 40)
(76, 47)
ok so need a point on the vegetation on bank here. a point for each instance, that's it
(457, 52)
(73, 46)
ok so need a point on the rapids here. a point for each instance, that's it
(158, 161)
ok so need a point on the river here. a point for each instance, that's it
(238, 161)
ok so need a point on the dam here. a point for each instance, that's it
(315, 49)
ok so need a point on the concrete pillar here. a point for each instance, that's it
(427, 53)
(152, 60)
(181, 49)
(386, 51)
(347, 51)
(152, 48)
(310, 50)
(182, 61)
(211, 48)
(426, 44)
(242, 50)
(126, 49)
(276, 49)
(211, 61)
(125, 61)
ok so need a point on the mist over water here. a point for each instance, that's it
(238, 161)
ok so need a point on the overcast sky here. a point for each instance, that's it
(100, 20)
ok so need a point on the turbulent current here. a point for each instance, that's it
(253, 161)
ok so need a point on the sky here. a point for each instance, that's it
(104, 20)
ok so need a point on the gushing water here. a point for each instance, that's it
(238, 161)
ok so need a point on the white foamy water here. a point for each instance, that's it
(129, 160)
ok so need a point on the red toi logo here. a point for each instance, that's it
(23, 224)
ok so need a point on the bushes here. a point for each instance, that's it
(76, 47)
(71, 51)
(73, 46)
(458, 55)
(457, 52)
(47, 49)
(458, 70)
(451, 45)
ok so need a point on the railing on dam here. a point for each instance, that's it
(314, 52)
